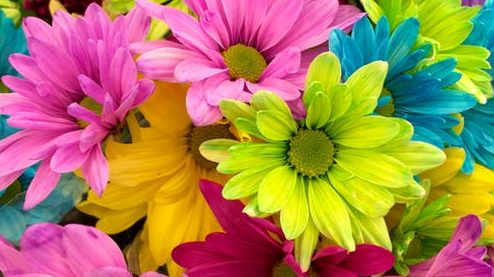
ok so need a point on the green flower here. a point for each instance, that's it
(446, 24)
(337, 172)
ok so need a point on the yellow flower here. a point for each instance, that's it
(157, 176)
(470, 194)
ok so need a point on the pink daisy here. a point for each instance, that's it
(236, 48)
(256, 247)
(79, 82)
(50, 250)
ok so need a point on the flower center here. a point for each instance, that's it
(90, 104)
(244, 62)
(387, 107)
(282, 270)
(311, 152)
(198, 135)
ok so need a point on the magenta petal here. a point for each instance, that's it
(286, 62)
(87, 249)
(193, 70)
(468, 231)
(154, 274)
(330, 255)
(345, 18)
(11, 260)
(68, 158)
(368, 260)
(198, 108)
(82, 113)
(330, 270)
(195, 254)
(43, 184)
(91, 88)
(109, 271)
(233, 268)
(159, 64)
(96, 170)
(138, 24)
(42, 247)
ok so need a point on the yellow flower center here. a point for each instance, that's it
(388, 109)
(282, 270)
(244, 62)
(311, 152)
(198, 135)
(90, 104)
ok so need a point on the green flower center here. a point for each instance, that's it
(198, 135)
(311, 152)
(244, 62)
(90, 104)
(388, 109)
(282, 270)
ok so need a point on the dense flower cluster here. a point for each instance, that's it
(271, 138)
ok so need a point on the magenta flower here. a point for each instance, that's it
(257, 247)
(473, 2)
(459, 257)
(80, 81)
(238, 47)
(70, 251)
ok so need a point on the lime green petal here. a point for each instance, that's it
(235, 165)
(233, 109)
(246, 183)
(418, 156)
(265, 100)
(341, 100)
(468, 85)
(305, 246)
(404, 135)
(295, 215)
(216, 150)
(275, 126)
(373, 10)
(311, 91)
(325, 69)
(374, 167)
(329, 213)
(369, 230)
(412, 191)
(252, 209)
(250, 149)
(366, 85)
(249, 126)
(365, 132)
(276, 189)
(318, 112)
(371, 200)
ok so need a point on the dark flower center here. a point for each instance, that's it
(244, 62)
(311, 152)
(198, 135)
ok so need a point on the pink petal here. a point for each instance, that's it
(279, 20)
(198, 108)
(234, 12)
(108, 272)
(93, 135)
(42, 247)
(43, 184)
(345, 18)
(193, 70)
(368, 260)
(154, 274)
(27, 67)
(468, 231)
(123, 73)
(197, 6)
(287, 91)
(83, 113)
(226, 89)
(146, 46)
(138, 24)
(68, 158)
(9, 179)
(39, 29)
(87, 249)
(286, 62)
(92, 89)
(11, 260)
(96, 171)
(255, 14)
(212, 23)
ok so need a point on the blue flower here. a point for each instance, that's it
(12, 40)
(422, 94)
(477, 137)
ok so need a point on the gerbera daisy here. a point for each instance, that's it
(422, 95)
(78, 84)
(157, 176)
(460, 257)
(12, 41)
(447, 25)
(256, 247)
(311, 170)
(470, 194)
(235, 48)
(72, 250)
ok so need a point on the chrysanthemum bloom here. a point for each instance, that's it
(311, 170)
(157, 176)
(446, 24)
(470, 194)
(477, 128)
(236, 48)
(460, 257)
(256, 247)
(51, 250)
(422, 95)
(12, 41)
(78, 84)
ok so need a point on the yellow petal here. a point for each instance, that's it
(454, 161)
